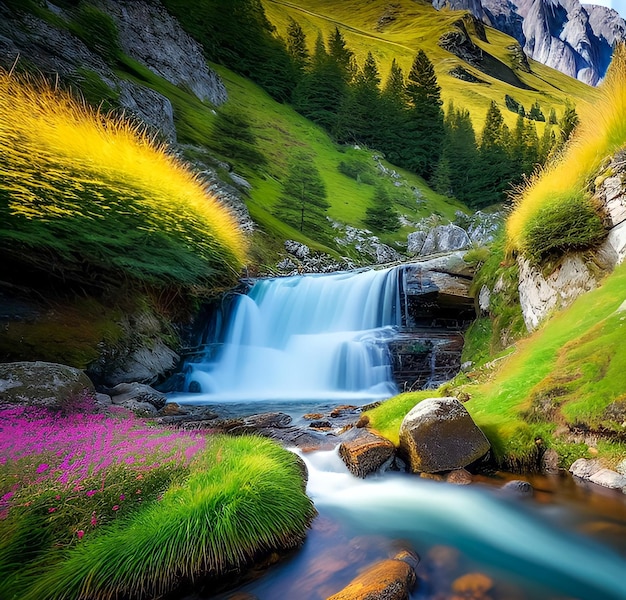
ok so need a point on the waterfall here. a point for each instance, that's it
(310, 337)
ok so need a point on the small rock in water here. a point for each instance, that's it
(518, 488)
(459, 477)
(472, 586)
(584, 468)
(320, 425)
(444, 557)
(550, 461)
(363, 452)
(313, 416)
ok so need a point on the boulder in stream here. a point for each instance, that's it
(438, 434)
(364, 452)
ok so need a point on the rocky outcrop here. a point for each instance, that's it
(564, 34)
(592, 470)
(150, 35)
(391, 579)
(44, 384)
(364, 452)
(439, 239)
(139, 398)
(140, 355)
(541, 294)
(438, 434)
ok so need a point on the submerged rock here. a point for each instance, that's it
(126, 393)
(518, 488)
(364, 452)
(390, 579)
(44, 384)
(438, 434)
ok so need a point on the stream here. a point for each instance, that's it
(302, 344)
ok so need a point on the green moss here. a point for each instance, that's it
(568, 222)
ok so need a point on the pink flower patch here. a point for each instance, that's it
(51, 509)
(80, 533)
(91, 492)
(42, 467)
(116, 507)
(122, 497)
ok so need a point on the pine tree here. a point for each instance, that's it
(341, 55)
(425, 122)
(381, 216)
(568, 122)
(361, 115)
(535, 112)
(322, 89)
(552, 120)
(297, 47)
(391, 137)
(234, 139)
(546, 143)
(302, 202)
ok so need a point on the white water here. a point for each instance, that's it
(502, 535)
(305, 338)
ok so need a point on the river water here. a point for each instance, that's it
(300, 342)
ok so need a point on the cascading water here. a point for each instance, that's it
(304, 338)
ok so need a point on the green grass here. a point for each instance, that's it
(244, 498)
(566, 375)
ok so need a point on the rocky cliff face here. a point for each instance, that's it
(573, 38)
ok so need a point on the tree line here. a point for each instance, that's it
(403, 117)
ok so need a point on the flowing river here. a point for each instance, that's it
(311, 341)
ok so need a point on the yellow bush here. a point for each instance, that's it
(600, 133)
(73, 180)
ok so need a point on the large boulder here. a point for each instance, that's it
(43, 384)
(438, 434)
(445, 238)
(364, 452)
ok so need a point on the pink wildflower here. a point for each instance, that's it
(115, 507)
(51, 509)
(94, 519)
(80, 533)
(42, 467)
(91, 492)
(122, 497)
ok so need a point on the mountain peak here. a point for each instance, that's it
(577, 39)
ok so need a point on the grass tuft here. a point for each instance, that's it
(93, 193)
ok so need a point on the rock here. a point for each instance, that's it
(44, 384)
(415, 242)
(540, 295)
(459, 477)
(141, 409)
(550, 462)
(364, 452)
(367, 246)
(438, 434)
(615, 244)
(389, 579)
(445, 238)
(297, 249)
(172, 409)
(484, 300)
(103, 400)
(138, 392)
(473, 585)
(609, 479)
(621, 467)
(150, 35)
(240, 181)
(154, 109)
(518, 488)
(585, 468)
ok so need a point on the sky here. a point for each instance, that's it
(618, 5)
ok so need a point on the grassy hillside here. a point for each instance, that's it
(417, 25)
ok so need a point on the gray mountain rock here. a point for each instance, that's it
(571, 37)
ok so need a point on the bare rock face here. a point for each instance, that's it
(149, 34)
(43, 384)
(572, 38)
(438, 434)
(540, 294)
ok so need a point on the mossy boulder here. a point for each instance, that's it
(43, 384)
(438, 434)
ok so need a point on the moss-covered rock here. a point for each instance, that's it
(43, 384)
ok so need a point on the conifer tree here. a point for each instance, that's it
(297, 47)
(546, 143)
(392, 137)
(425, 117)
(361, 115)
(568, 122)
(341, 55)
(381, 216)
(302, 203)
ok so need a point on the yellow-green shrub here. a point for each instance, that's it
(553, 212)
(93, 193)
